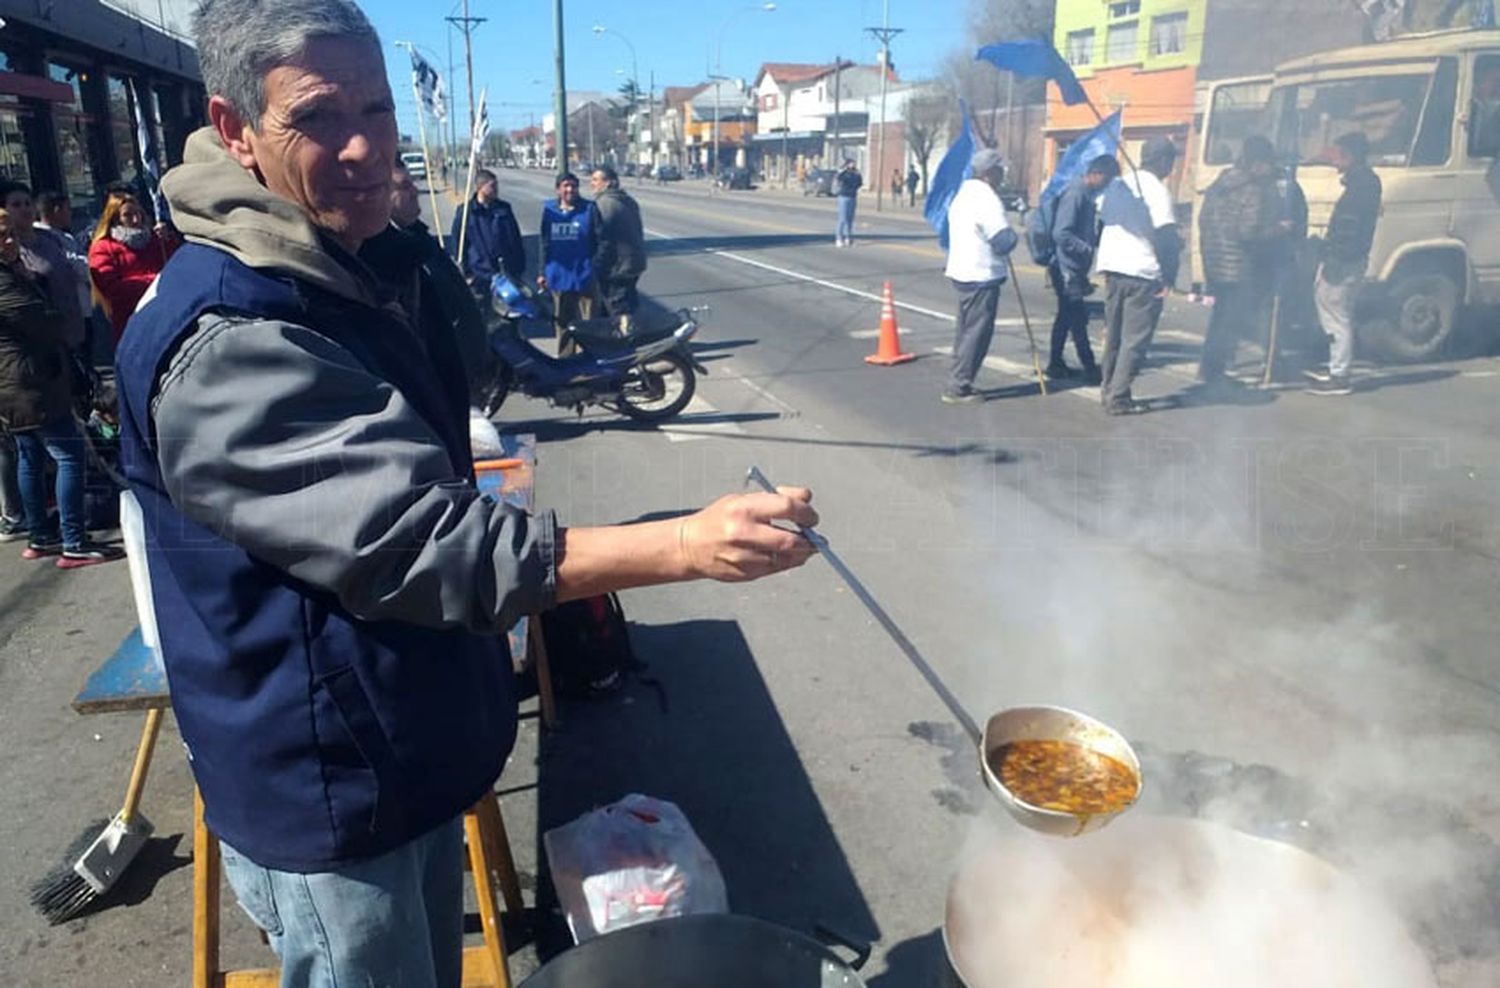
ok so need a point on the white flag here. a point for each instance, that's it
(429, 86)
(481, 126)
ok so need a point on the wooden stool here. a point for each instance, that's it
(490, 862)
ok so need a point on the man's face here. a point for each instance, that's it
(327, 138)
(1338, 158)
(598, 183)
(10, 244)
(22, 213)
(567, 194)
(1095, 180)
(406, 205)
(488, 191)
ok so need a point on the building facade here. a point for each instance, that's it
(1137, 56)
(74, 76)
(809, 115)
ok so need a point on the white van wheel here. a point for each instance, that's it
(1423, 309)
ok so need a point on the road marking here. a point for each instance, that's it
(1024, 371)
(731, 373)
(872, 334)
(684, 429)
(924, 251)
(809, 279)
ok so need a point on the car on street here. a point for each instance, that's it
(735, 178)
(628, 169)
(415, 162)
(669, 173)
(819, 182)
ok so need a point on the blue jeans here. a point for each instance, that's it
(60, 440)
(396, 920)
(845, 229)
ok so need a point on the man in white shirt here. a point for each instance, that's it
(1138, 255)
(979, 239)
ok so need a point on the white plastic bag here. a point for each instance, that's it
(484, 438)
(632, 862)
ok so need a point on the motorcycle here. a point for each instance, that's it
(648, 376)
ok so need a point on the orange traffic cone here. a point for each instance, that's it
(889, 350)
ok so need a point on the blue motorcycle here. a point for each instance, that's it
(647, 376)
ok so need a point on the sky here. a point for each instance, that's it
(513, 52)
(677, 39)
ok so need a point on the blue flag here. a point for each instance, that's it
(1102, 140)
(1035, 58)
(950, 174)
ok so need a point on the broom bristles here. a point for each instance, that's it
(63, 894)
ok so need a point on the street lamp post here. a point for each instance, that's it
(635, 87)
(718, 76)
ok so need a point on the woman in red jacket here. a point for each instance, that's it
(125, 257)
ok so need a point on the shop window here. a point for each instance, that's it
(1081, 47)
(1169, 34)
(75, 137)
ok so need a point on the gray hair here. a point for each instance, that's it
(240, 41)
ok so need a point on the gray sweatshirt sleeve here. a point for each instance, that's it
(277, 439)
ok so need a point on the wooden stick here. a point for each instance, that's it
(1265, 380)
(1036, 361)
(205, 900)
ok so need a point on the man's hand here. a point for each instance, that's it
(734, 540)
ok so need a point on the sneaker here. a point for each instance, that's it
(89, 554)
(1333, 387)
(1092, 376)
(12, 529)
(1317, 374)
(838, 241)
(1127, 408)
(963, 396)
(41, 549)
(1060, 372)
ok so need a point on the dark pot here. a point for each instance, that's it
(721, 951)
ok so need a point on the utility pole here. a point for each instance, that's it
(838, 121)
(561, 95)
(883, 34)
(468, 25)
(452, 155)
(651, 121)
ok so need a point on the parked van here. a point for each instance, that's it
(1430, 107)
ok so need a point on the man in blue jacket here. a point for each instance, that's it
(493, 240)
(1075, 237)
(332, 590)
(568, 241)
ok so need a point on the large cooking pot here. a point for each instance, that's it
(1157, 902)
(718, 951)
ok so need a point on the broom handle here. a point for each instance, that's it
(142, 764)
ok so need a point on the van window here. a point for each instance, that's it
(1237, 111)
(1484, 110)
(1310, 116)
(1435, 137)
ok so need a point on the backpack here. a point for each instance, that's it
(588, 646)
(1039, 232)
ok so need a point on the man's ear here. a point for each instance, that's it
(233, 131)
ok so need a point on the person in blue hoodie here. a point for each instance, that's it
(569, 238)
(493, 240)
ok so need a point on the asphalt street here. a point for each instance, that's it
(1286, 601)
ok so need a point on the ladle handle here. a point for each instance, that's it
(873, 606)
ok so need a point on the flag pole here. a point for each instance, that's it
(463, 228)
(437, 221)
(1036, 361)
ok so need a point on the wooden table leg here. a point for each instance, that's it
(484, 861)
(536, 644)
(205, 900)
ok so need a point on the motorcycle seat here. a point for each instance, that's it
(600, 336)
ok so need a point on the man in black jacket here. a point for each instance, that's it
(493, 239)
(1237, 230)
(1075, 232)
(1346, 255)
(620, 247)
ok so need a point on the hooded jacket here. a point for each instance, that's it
(1236, 226)
(1351, 228)
(330, 587)
(121, 274)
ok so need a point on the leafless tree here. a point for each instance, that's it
(927, 117)
(979, 83)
